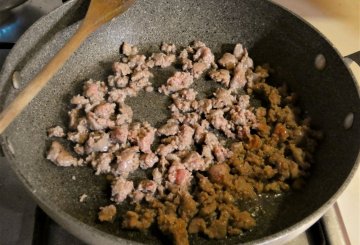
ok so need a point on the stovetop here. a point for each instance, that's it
(22, 222)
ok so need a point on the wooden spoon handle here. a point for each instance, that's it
(41, 79)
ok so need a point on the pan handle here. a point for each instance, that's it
(334, 227)
(2, 147)
(354, 57)
(353, 63)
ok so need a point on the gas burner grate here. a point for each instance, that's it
(4, 45)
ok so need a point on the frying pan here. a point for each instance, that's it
(9, 4)
(272, 36)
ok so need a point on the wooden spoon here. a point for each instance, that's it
(99, 12)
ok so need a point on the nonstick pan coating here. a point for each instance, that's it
(272, 36)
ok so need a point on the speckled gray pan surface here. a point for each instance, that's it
(272, 36)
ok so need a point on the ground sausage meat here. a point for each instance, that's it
(56, 132)
(215, 151)
(61, 157)
(107, 213)
(121, 188)
(177, 82)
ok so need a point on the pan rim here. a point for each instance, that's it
(63, 218)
